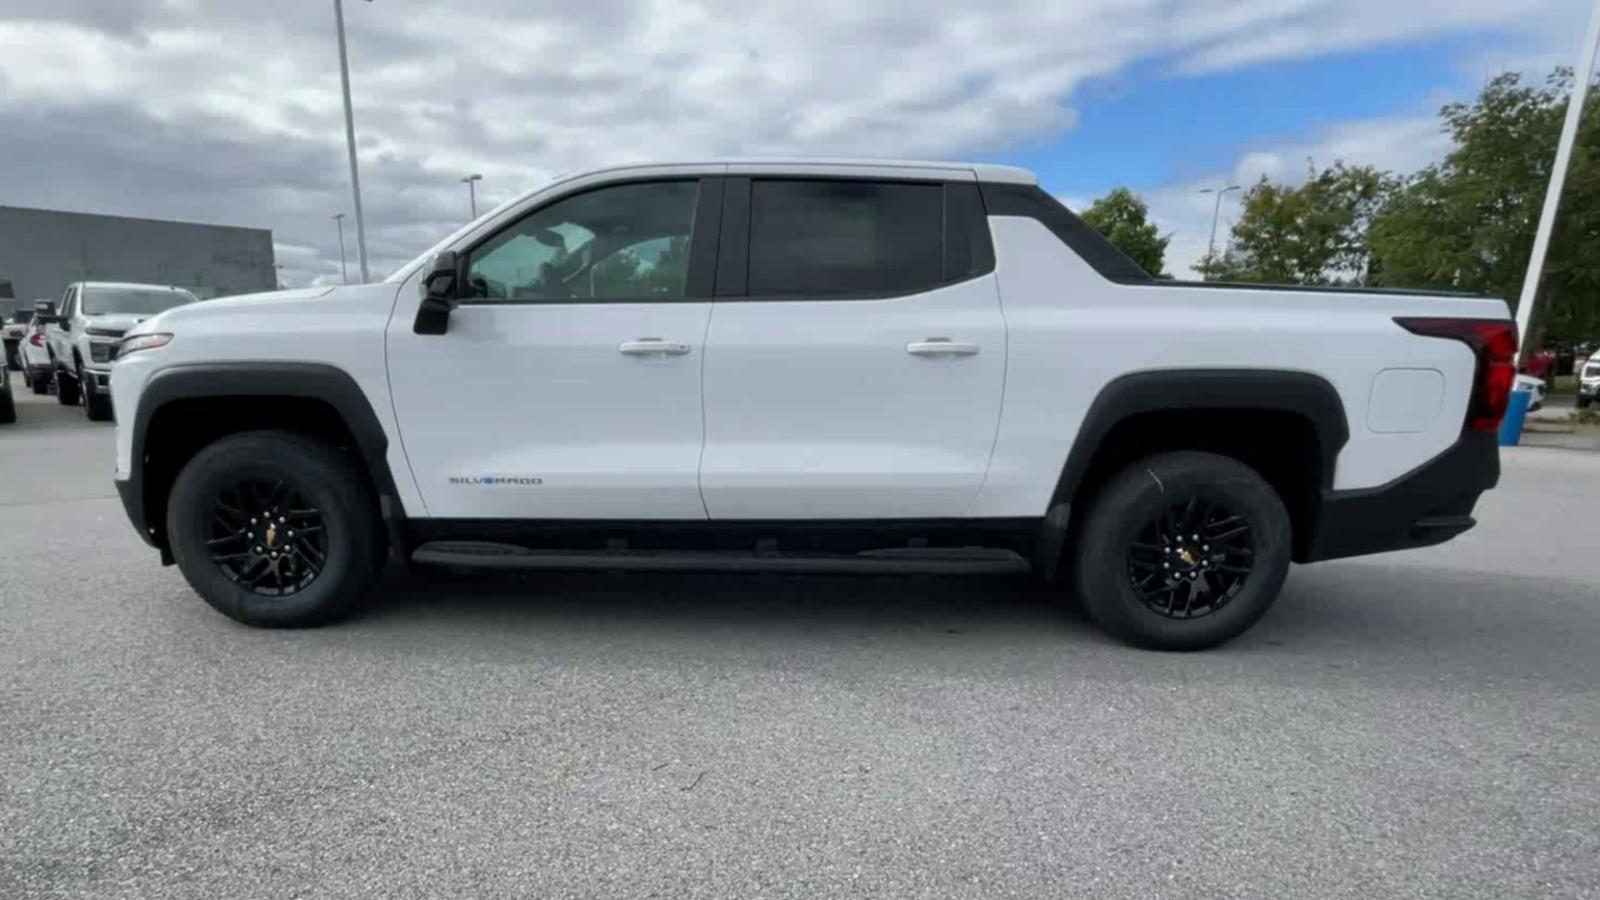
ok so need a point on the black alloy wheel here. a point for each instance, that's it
(1192, 559)
(266, 537)
(1181, 550)
(276, 529)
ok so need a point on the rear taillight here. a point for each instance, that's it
(1494, 343)
(36, 339)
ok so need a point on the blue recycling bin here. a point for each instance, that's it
(1516, 415)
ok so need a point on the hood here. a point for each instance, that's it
(267, 297)
(118, 322)
(276, 309)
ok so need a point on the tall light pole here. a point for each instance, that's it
(472, 191)
(1211, 243)
(350, 139)
(1558, 179)
(344, 271)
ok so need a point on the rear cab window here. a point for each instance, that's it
(841, 238)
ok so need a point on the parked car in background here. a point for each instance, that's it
(1535, 386)
(14, 332)
(1589, 382)
(37, 372)
(85, 329)
(8, 407)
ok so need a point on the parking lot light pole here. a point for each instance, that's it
(472, 191)
(350, 139)
(1558, 179)
(1216, 209)
(344, 271)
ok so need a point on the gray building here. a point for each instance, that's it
(42, 251)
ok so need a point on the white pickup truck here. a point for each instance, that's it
(856, 367)
(82, 333)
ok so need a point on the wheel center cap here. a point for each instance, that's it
(1184, 554)
(272, 535)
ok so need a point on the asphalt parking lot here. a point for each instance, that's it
(1424, 724)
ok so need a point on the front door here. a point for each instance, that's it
(568, 384)
(857, 352)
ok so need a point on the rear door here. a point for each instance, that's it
(856, 352)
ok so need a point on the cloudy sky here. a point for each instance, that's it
(228, 111)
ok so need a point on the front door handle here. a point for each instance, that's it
(941, 347)
(652, 347)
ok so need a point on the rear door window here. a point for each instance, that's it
(837, 238)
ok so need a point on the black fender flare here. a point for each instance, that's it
(312, 381)
(1161, 390)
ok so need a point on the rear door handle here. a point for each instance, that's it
(652, 347)
(941, 347)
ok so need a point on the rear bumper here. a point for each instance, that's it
(1428, 505)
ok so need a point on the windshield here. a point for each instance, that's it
(98, 301)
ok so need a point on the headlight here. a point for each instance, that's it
(143, 342)
(100, 351)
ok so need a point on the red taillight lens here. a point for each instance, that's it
(36, 339)
(1494, 342)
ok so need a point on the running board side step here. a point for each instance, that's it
(929, 560)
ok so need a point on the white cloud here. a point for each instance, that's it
(215, 112)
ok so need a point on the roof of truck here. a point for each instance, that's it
(983, 171)
(123, 285)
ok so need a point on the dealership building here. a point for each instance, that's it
(42, 251)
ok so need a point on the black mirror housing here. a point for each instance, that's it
(45, 311)
(440, 294)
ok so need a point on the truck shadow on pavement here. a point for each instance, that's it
(1341, 614)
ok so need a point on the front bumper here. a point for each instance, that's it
(132, 494)
(1428, 505)
(1589, 391)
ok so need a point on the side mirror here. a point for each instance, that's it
(440, 294)
(45, 311)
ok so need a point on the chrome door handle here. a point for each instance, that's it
(652, 347)
(941, 347)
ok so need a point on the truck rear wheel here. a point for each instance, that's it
(275, 529)
(1182, 551)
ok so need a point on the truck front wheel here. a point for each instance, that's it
(275, 529)
(1182, 551)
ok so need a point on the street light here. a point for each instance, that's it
(1216, 209)
(350, 139)
(344, 272)
(472, 191)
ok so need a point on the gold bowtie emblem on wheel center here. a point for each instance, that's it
(272, 535)
(1184, 554)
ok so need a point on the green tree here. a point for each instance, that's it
(1310, 233)
(1125, 221)
(1467, 223)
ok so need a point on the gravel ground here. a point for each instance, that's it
(1424, 724)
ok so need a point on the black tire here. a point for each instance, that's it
(334, 485)
(96, 405)
(66, 388)
(1124, 545)
(40, 385)
(8, 407)
(1583, 402)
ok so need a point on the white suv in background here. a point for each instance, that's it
(1589, 381)
(83, 333)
